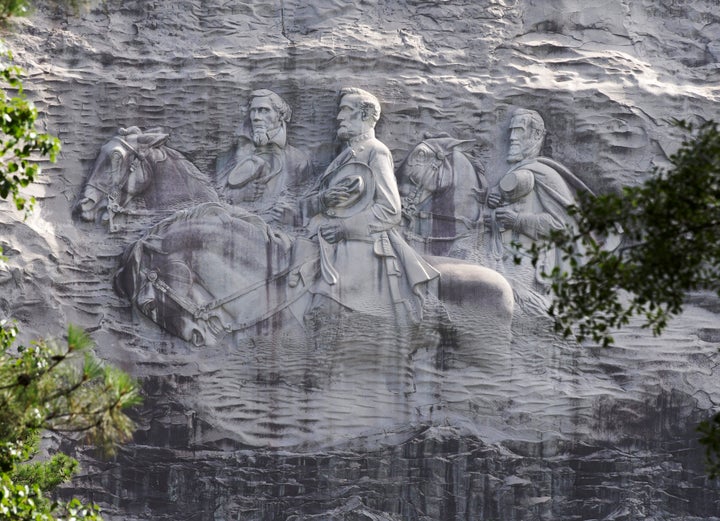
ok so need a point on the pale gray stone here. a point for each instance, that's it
(136, 175)
(529, 202)
(262, 172)
(443, 199)
(415, 435)
(347, 285)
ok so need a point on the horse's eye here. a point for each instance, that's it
(421, 157)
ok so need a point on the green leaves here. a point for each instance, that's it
(21, 146)
(670, 228)
(45, 385)
(670, 246)
(9, 8)
(64, 389)
(61, 388)
(710, 437)
(23, 502)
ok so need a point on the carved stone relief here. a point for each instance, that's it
(354, 216)
(525, 429)
(529, 202)
(136, 176)
(443, 199)
(263, 172)
(354, 264)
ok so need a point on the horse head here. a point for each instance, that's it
(430, 169)
(442, 194)
(122, 171)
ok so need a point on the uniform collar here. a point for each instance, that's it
(365, 136)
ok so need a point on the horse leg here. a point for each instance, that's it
(472, 355)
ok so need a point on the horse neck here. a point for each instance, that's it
(458, 199)
(175, 179)
(164, 181)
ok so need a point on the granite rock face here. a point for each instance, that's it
(360, 417)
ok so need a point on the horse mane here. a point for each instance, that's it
(184, 166)
(201, 210)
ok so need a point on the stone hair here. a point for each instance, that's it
(536, 120)
(368, 102)
(279, 104)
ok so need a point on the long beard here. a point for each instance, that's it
(260, 137)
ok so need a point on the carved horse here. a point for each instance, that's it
(215, 274)
(207, 271)
(213, 269)
(441, 192)
(136, 174)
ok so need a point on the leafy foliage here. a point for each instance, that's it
(20, 143)
(671, 246)
(670, 227)
(710, 437)
(46, 386)
(14, 8)
(9, 8)
(61, 389)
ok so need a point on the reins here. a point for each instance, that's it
(113, 193)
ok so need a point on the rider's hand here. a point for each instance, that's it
(332, 233)
(506, 218)
(335, 196)
(494, 200)
(280, 210)
(488, 218)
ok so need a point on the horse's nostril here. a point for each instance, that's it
(197, 338)
(148, 307)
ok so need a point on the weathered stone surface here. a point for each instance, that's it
(535, 430)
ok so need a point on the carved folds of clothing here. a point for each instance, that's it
(372, 268)
(540, 196)
(258, 177)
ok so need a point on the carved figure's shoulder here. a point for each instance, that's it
(537, 165)
(377, 149)
(556, 170)
(544, 170)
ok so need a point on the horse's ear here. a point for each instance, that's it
(462, 143)
(429, 135)
(152, 140)
(128, 131)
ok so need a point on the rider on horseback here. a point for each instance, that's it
(354, 214)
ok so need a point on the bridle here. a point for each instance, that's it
(411, 201)
(113, 193)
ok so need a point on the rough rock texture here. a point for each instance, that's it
(539, 430)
